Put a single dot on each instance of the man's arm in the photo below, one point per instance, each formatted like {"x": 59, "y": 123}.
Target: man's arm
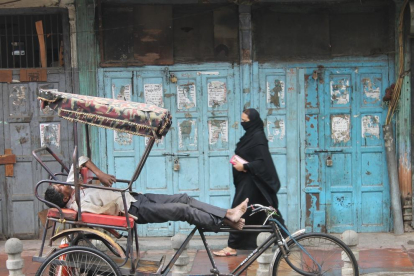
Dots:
{"x": 106, "y": 179}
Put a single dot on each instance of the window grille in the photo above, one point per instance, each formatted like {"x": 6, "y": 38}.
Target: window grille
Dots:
{"x": 21, "y": 41}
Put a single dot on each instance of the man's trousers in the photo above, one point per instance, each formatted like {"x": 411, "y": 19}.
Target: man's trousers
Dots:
{"x": 156, "y": 208}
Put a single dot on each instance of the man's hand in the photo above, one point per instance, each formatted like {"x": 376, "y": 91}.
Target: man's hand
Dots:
{"x": 106, "y": 179}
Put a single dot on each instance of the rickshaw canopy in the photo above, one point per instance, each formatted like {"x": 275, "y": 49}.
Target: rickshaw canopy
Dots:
{"x": 130, "y": 117}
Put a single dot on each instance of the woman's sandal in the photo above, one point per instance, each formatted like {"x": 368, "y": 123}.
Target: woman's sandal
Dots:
{"x": 225, "y": 252}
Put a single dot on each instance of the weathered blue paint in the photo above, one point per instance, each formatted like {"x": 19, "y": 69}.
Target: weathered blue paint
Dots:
{"x": 342, "y": 125}
{"x": 298, "y": 122}
{"x": 277, "y": 104}
{"x": 201, "y": 140}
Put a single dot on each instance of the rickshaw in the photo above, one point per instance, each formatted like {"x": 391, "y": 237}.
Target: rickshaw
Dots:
{"x": 88, "y": 246}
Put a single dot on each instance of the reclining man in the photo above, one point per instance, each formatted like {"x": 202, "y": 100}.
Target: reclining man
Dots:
{"x": 148, "y": 208}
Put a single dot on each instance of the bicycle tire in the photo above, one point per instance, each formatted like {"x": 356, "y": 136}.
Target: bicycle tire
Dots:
{"x": 332, "y": 255}
{"x": 78, "y": 261}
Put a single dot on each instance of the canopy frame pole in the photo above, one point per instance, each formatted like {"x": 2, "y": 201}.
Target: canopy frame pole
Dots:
{"x": 142, "y": 162}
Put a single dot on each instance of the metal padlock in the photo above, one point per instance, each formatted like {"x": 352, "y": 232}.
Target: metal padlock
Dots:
{"x": 176, "y": 164}
{"x": 329, "y": 162}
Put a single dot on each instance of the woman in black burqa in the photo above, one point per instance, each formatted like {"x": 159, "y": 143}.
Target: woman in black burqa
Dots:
{"x": 257, "y": 180}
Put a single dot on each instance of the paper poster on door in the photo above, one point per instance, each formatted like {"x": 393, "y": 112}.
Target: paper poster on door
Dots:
{"x": 217, "y": 129}
{"x": 124, "y": 93}
{"x": 340, "y": 128}
{"x": 187, "y": 134}
{"x": 153, "y": 94}
{"x": 217, "y": 93}
{"x": 340, "y": 91}
{"x": 370, "y": 126}
{"x": 275, "y": 129}
{"x": 186, "y": 96}
{"x": 50, "y": 135}
{"x": 275, "y": 91}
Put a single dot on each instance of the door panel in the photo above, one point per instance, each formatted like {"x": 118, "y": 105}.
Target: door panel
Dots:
{"x": 219, "y": 116}
{"x": 278, "y": 109}
{"x": 26, "y": 128}
{"x": 342, "y": 130}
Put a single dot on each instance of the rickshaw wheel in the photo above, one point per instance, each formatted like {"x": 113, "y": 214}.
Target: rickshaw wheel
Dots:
{"x": 97, "y": 242}
{"x": 78, "y": 261}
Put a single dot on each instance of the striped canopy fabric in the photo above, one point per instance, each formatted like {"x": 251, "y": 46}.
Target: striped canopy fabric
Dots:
{"x": 130, "y": 117}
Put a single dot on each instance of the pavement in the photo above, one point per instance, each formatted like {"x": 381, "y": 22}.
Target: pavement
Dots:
{"x": 379, "y": 254}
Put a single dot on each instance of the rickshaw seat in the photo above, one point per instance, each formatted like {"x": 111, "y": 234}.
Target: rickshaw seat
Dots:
{"x": 108, "y": 220}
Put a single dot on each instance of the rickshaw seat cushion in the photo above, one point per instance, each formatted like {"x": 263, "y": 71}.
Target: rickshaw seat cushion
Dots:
{"x": 109, "y": 220}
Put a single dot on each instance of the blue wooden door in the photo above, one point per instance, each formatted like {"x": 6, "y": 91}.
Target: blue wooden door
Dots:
{"x": 344, "y": 169}
{"x": 278, "y": 97}
{"x": 203, "y": 107}
{"x": 124, "y": 150}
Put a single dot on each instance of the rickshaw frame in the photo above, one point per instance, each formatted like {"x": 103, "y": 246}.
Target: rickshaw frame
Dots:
{"x": 127, "y": 263}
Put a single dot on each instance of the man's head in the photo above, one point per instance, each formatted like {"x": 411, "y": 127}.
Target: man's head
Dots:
{"x": 58, "y": 194}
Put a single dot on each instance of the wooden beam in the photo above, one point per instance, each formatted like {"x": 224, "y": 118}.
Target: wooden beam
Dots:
{"x": 40, "y": 36}
{"x": 8, "y": 159}
{"x": 6, "y": 76}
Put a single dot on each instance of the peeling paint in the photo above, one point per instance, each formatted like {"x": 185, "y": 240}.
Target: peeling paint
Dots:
{"x": 50, "y": 135}
{"x": 154, "y": 94}
{"x": 217, "y": 93}
{"x": 340, "y": 128}
{"x": 340, "y": 91}
{"x": 246, "y": 105}
{"x": 312, "y": 205}
{"x": 19, "y": 95}
{"x": 276, "y": 129}
{"x": 370, "y": 126}
{"x": 235, "y": 125}
{"x": 276, "y": 95}
{"x": 370, "y": 90}
{"x": 217, "y": 129}
{"x": 123, "y": 139}
{"x": 186, "y": 96}
{"x": 404, "y": 175}
{"x": 187, "y": 131}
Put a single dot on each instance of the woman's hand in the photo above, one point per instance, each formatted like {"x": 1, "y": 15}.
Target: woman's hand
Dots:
{"x": 106, "y": 179}
{"x": 239, "y": 166}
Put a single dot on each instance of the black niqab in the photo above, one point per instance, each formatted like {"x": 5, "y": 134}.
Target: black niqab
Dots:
{"x": 253, "y": 147}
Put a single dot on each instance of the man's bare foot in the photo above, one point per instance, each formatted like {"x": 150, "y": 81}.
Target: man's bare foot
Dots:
{"x": 235, "y": 225}
{"x": 237, "y": 212}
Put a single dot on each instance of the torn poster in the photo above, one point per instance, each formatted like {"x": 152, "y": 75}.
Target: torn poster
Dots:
{"x": 153, "y": 94}
{"x": 18, "y": 95}
{"x": 275, "y": 129}
{"x": 158, "y": 142}
{"x": 187, "y": 131}
{"x": 186, "y": 96}
{"x": 276, "y": 93}
{"x": 370, "y": 126}
{"x": 217, "y": 129}
{"x": 50, "y": 135}
{"x": 340, "y": 128}
{"x": 124, "y": 94}
{"x": 217, "y": 93}
{"x": 340, "y": 91}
